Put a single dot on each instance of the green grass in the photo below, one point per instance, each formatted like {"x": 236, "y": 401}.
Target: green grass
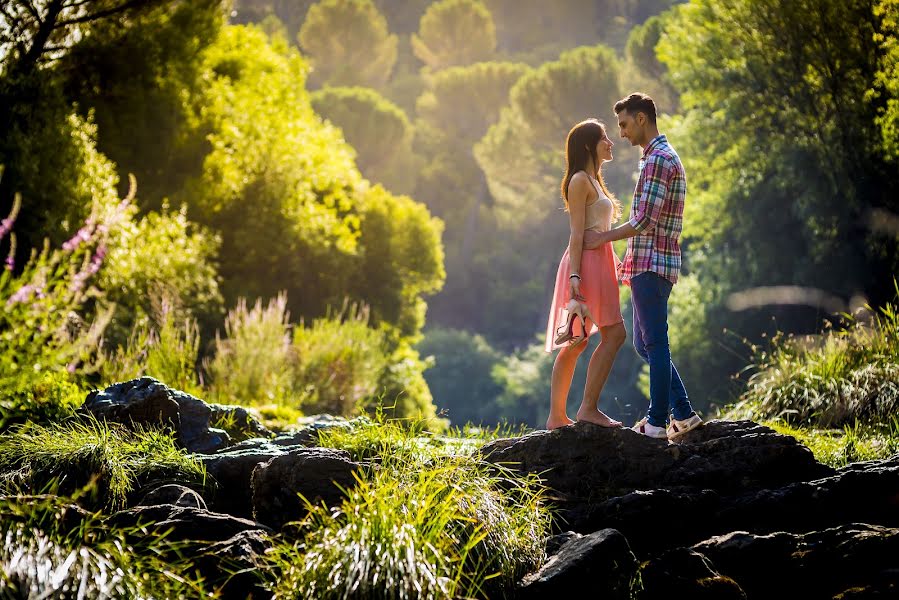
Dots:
{"x": 52, "y": 550}
{"x": 51, "y": 397}
{"x": 107, "y": 457}
{"x": 446, "y": 527}
{"x": 838, "y": 378}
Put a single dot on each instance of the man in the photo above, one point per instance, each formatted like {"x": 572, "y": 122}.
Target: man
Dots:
{"x": 652, "y": 263}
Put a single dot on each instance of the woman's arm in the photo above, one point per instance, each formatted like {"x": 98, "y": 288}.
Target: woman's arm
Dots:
{"x": 578, "y": 192}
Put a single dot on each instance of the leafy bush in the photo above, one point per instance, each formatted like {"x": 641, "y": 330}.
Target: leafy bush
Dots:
{"x": 51, "y": 397}
{"x": 254, "y": 362}
{"x": 165, "y": 349}
{"x": 445, "y": 528}
{"x": 841, "y": 377}
{"x": 339, "y": 360}
{"x": 111, "y": 460}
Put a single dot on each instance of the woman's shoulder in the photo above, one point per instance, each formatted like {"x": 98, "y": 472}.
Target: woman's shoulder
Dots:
{"x": 580, "y": 186}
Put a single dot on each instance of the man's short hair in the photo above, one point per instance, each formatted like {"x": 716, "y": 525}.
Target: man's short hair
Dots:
{"x": 637, "y": 103}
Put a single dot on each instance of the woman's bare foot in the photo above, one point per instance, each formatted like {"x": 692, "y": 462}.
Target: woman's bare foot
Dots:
{"x": 592, "y": 415}
{"x": 555, "y": 422}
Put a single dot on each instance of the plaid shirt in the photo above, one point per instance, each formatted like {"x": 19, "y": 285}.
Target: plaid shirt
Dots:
{"x": 657, "y": 212}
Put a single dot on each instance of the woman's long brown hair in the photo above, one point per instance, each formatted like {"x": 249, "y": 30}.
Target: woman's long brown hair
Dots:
{"x": 580, "y": 153}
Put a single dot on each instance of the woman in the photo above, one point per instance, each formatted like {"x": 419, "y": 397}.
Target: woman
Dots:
{"x": 585, "y": 299}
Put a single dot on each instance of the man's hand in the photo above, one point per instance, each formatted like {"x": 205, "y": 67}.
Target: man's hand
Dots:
{"x": 595, "y": 239}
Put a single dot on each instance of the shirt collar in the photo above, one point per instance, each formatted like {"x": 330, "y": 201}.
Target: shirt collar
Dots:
{"x": 654, "y": 143}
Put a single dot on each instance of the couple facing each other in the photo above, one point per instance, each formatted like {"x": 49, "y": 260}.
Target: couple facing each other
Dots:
{"x": 585, "y": 299}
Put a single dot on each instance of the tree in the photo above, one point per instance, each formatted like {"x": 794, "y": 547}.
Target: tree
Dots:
{"x": 888, "y": 74}
{"x": 376, "y": 128}
{"x": 454, "y": 32}
{"x": 643, "y": 69}
{"x": 135, "y": 81}
{"x": 33, "y": 32}
{"x": 785, "y": 160}
{"x": 465, "y": 101}
{"x": 348, "y": 43}
{"x": 523, "y": 153}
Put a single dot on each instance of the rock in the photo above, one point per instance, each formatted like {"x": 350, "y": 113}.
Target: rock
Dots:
{"x": 146, "y": 401}
{"x": 315, "y": 473}
{"x": 820, "y": 564}
{"x": 685, "y": 573}
{"x": 596, "y": 565}
{"x": 586, "y": 464}
{"x": 176, "y": 495}
{"x": 243, "y": 555}
{"x": 555, "y": 543}
{"x": 184, "y": 523}
{"x": 703, "y": 513}
{"x": 232, "y": 471}
{"x": 226, "y": 551}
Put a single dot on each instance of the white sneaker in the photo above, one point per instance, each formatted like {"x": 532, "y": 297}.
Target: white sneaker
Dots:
{"x": 644, "y": 427}
{"x": 678, "y": 428}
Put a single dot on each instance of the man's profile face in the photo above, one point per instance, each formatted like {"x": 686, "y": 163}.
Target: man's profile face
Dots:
{"x": 628, "y": 128}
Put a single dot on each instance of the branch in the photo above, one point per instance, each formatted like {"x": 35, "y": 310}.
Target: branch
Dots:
{"x": 103, "y": 13}
{"x": 30, "y": 8}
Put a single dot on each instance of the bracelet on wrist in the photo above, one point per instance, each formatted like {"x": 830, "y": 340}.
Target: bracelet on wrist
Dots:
{"x": 574, "y": 275}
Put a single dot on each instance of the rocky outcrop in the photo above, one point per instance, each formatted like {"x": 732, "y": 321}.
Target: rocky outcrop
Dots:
{"x": 146, "y": 401}
{"x": 852, "y": 560}
{"x": 585, "y": 464}
{"x": 227, "y": 552}
{"x": 582, "y": 566}
{"x": 318, "y": 474}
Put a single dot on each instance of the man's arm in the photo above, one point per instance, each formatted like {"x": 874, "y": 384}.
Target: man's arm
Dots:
{"x": 649, "y": 205}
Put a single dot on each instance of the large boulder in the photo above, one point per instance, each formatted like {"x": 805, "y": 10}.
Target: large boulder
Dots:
{"x": 585, "y": 464}
{"x": 318, "y": 474}
{"x": 691, "y": 515}
{"x": 685, "y": 573}
{"x": 584, "y": 566}
{"x": 146, "y": 401}
{"x": 820, "y": 564}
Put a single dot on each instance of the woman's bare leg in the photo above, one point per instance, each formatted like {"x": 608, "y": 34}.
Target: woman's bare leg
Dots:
{"x": 560, "y": 384}
{"x": 598, "y": 371}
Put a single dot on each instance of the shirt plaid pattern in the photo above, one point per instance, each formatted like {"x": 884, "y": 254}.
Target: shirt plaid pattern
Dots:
{"x": 657, "y": 212}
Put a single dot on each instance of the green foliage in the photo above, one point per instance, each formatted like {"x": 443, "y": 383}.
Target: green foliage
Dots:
{"x": 527, "y": 25}
{"x": 401, "y": 260}
{"x": 164, "y": 346}
{"x": 161, "y": 255}
{"x": 461, "y": 379}
{"x": 49, "y": 397}
{"x": 525, "y": 377}
{"x": 253, "y": 363}
{"x": 844, "y": 376}
{"x": 454, "y": 32}
{"x": 443, "y": 529}
{"x": 51, "y": 547}
{"x": 376, "y": 128}
{"x": 403, "y": 389}
{"x": 544, "y": 104}
{"x": 137, "y": 78}
{"x": 888, "y": 74}
{"x": 339, "y": 360}
{"x": 112, "y": 460}
{"x": 348, "y": 43}
{"x": 643, "y": 70}
{"x": 463, "y": 102}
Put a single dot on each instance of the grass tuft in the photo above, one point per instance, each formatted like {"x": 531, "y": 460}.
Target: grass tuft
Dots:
{"x": 430, "y": 521}
{"x": 108, "y": 457}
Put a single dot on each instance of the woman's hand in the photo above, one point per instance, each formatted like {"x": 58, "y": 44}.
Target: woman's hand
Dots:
{"x": 574, "y": 284}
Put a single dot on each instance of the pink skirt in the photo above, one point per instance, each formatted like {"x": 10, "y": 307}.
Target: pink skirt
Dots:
{"x": 599, "y": 285}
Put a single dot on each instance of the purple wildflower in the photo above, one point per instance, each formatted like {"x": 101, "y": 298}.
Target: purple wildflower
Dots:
{"x": 21, "y": 295}
{"x": 7, "y": 223}
{"x": 11, "y": 257}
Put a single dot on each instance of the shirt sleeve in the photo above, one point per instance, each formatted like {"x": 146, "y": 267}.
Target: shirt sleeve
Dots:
{"x": 655, "y": 176}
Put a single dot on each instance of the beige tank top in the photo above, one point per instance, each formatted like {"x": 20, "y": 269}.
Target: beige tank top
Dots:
{"x": 599, "y": 212}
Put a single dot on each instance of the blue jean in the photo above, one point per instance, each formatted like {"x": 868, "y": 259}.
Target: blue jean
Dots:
{"x": 649, "y": 295}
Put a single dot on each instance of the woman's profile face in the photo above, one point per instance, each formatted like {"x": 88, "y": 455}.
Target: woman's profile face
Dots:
{"x": 604, "y": 148}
